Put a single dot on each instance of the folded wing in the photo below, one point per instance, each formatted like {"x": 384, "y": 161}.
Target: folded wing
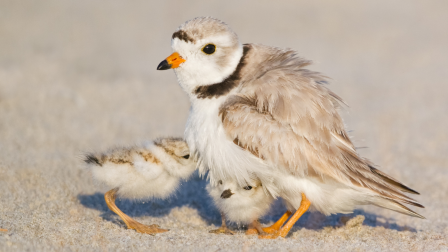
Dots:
{"x": 288, "y": 118}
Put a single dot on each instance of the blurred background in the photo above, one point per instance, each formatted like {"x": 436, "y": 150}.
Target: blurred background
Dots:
{"x": 78, "y": 76}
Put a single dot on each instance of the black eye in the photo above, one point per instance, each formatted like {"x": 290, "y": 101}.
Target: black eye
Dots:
{"x": 247, "y": 187}
{"x": 220, "y": 182}
{"x": 186, "y": 156}
{"x": 209, "y": 49}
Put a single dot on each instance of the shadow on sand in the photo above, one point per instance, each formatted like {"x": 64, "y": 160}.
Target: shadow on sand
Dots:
{"x": 191, "y": 193}
{"x": 194, "y": 195}
{"x": 316, "y": 221}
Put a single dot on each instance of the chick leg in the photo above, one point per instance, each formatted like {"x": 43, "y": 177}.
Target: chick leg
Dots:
{"x": 255, "y": 228}
{"x": 223, "y": 229}
{"x": 110, "y": 197}
{"x": 304, "y": 205}
{"x": 277, "y": 225}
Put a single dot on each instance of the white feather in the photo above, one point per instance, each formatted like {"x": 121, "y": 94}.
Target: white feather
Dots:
{"x": 205, "y": 134}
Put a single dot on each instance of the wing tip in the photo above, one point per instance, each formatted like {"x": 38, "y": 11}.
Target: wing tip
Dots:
{"x": 392, "y": 181}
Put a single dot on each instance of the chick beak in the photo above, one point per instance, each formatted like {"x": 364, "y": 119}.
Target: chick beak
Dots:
{"x": 173, "y": 61}
{"x": 226, "y": 194}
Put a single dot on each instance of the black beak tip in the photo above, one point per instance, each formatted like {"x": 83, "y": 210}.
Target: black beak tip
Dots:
{"x": 163, "y": 65}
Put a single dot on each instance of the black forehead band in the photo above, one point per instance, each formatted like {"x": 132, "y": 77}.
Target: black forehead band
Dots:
{"x": 182, "y": 35}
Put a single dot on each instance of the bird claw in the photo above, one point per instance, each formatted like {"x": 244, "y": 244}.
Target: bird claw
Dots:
{"x": 222, "y": 230}
{"x": 144, "y": 229}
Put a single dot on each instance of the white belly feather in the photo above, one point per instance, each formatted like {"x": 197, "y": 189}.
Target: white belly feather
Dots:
{"x": 217, "y": 153}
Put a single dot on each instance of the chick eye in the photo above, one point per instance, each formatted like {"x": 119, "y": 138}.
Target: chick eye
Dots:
{"x": 247, "y": 187}
{"x": 186, "y": 156}
{"x": 220, "y": 182}
{"x": 209, "y": 49}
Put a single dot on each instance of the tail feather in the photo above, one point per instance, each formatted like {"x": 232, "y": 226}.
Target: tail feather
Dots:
{"x": 397, "y": 199}
{"x": 362, "y": 172}
{"x": 93, "y": 159}
{"x": 381, "y": 187}
{"x": 392, "y": 181}
{"x": 395, "y": 206}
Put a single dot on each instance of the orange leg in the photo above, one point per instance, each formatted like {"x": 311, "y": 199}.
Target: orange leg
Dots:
{"x": 255, "y": 228}
{"x": 304, "y": 205}
{"x": 277, "y": 225}
{"x": 223, "y": 229}
{"x": 3, "y": 230}
{"x": 110, "y": 197}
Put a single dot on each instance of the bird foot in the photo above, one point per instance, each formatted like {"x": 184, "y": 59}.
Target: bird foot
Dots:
{"x": 269, "y": 236}
{"x": 144, "y": 229}
{"x": 130, "y": 223}
{"x": 255, "y": 228}
{"x": 222, "y": 230}
{"x": 283, "y": 231}
{"x": 252, "y": 231}
{"x": 270, "y": 230}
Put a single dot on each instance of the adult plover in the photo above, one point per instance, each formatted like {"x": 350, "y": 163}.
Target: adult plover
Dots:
{"x": 258, "y": 114}
{"x": 242, "y": 205}
{"x": 153, "y": 170}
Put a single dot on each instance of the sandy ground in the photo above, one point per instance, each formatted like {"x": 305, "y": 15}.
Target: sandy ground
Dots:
{"x": 78, "y": 76}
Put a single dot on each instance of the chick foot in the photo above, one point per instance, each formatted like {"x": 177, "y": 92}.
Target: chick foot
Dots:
{"x": 223, "y": 229}
{"x": 255, "y": 228}
{"x": 110, "y": 197}
{"x": 144, "y": 229}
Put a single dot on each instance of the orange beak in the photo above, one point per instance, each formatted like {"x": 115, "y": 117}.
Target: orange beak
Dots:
{"x": 173, "y": 61}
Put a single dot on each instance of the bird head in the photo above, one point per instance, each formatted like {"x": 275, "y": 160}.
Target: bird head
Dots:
{"x": 179, "y": 162}
{"x": 206, "y": 51}
{"x": 231, "y": 189}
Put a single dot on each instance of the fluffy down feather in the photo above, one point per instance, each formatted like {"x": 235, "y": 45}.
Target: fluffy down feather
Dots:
{"x": 153, "y": 170}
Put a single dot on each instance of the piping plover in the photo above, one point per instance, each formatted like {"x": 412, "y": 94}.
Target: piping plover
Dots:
{"x": 153, "y": 170}
{"x": 258, "y": 114}
{"x": 242, "y": 205}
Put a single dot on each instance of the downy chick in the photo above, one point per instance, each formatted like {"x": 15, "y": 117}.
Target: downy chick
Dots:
{"x": 153, "y": 170}
{"x": 242, "y": 205}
